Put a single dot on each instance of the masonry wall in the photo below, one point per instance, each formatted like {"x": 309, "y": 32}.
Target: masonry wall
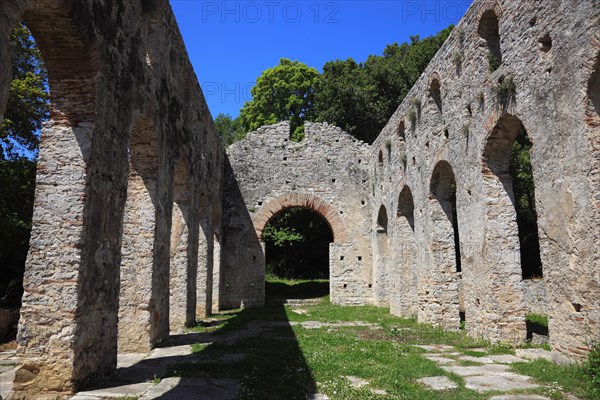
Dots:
{"x": 451, "y": 122}
{"x": 125, "y": 109}
{"x": 267, "y": 173}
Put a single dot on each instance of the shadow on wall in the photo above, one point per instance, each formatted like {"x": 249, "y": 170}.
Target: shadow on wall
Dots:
{"x": 254, "y": 355}
{"x": 242, "y": 273}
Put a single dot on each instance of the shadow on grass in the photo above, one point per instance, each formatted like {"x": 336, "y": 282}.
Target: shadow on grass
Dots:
{"x": 258, "y": 348}
{"x": 299, "y": 290}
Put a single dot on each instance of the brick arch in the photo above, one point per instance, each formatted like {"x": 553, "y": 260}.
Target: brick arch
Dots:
{"x": 309, "y": 201}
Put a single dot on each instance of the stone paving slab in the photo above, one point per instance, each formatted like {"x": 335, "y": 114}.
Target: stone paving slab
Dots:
{"x": 356, "y": 381}
{"x": 532, "y": 354}
{"x": 6, "y": 382}
{"x": 117, "y": 390}
{"x": 519, "y": 397}
{"x": 481, "y": 360}
{"x": 438, "y": 382}
{"x": 501, "y": 382}
{"x": 435, "y": 347}
{"x": 441, "y": 360}
{"x": 507, "y": 359}
{"x": 193, "y": 389}
{"x": 129, "y": 359}
{"x": 173, "y": 351}
{"x": 486, "y": 369}
{"x": 317, "y": 396}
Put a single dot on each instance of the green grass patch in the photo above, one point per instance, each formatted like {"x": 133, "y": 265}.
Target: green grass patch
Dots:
{"x": 295, "y": 288}
{"x": 541, "y": 320}
{"x": 560, "y": 378}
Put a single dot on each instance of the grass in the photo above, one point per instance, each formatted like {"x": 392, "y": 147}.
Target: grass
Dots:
{"x": 541, "y": 320}
{"x": 559, "y": 378}
{"x": 289, "y": 361}
{"x": 295, "y": 288}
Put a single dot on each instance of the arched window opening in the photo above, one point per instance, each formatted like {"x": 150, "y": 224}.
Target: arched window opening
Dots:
{"x": 507, "y": 155}
{"x": 443, "y": 189}
{"x": 435, "y": 93}
{"x": 382, "y": 220}
{"x": 403, "y": 274}
{"x": 401, "y": 129}
{"x": 406, "y": 207}
{"x": 380, "y": 158}
{"x": 297, "y": 254}
{"x": 489, "y": 31}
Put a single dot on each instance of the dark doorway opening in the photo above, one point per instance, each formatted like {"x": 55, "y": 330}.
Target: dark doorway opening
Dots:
{"x": 297, "y": 254}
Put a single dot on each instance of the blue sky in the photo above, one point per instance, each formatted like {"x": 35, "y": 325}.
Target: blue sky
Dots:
{"x": 231, "y": 42}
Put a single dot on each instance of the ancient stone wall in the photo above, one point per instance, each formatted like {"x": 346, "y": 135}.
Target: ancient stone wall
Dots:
{"x": 266, "y": 173}
{"x": 455, "y": 129}
{"x": 128, "y": 154}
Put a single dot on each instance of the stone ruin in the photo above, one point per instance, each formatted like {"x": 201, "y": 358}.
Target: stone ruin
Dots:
{"x": 143, "y": 223}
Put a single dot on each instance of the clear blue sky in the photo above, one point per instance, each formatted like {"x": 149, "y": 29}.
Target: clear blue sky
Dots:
{"x": 231, "y": 42}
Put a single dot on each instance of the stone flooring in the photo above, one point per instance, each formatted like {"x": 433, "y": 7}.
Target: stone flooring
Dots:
{"x": 140, "y": 376}
{"x": 482, "y": 374}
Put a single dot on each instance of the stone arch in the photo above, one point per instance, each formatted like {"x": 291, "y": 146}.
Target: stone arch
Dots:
{"x": 404, "y": 293}
{"x": 75, "y": 294}
{"x": 441, "y": 284}
{"x": 381, "y": 258}
{"x": 502, "y": 249}
{"x": 434, "y": 90}
{"x": 138, "y": 327}
{"x": 498, "y": 182}
{"x": 488, "y": 30}
{"x": 309, "y": 201}
{"x": 182, "y": 277}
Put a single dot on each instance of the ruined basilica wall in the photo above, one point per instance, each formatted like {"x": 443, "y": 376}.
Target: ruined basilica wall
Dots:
{"x": 267, "y": 173}
{"x": 551, "y": 50}
{"x": 126, "y": 108}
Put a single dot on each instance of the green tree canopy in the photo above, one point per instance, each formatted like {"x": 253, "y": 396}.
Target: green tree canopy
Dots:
{"x": 28, "y": 102}
{"x": 229, "y": 129}
{"x": 284, "y": 92}
{"x": 360, "y": 98}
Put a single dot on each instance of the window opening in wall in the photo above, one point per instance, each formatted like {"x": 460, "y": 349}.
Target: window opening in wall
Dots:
{"x": 545, "y": 43}
{"x": 401, "y": 129}
{"x": 489, "y": 31}
{"x": 382, "y": 220}
{"x": 524, "y": 200}
{"x": 26, "y": 110}
{"x": 508, "y": 157}
{"x": 297, "y": 254}
{"x": 435, "y": 93}
{"x": 380, "y": 158}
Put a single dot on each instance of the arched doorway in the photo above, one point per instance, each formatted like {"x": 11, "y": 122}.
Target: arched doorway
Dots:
{"x": 297, "y": 254}
{"x": 317, "y": 208}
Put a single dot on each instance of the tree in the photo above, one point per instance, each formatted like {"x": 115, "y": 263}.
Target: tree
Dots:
{"x": 360, "y": 98}
{"x": 28, "y": 102}
{"x": 229, "y": 129}
{"x": 284, "y": 92}
{"x": 27, "y": 108}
